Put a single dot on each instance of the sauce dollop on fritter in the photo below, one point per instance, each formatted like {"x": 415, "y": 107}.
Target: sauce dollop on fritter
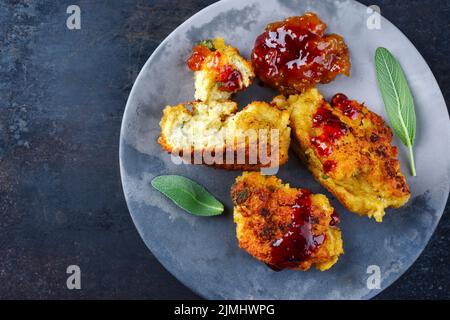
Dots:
{"x": 349, "y": 150}
{"x": 295, "y": 54}
{"x": 220, "y": 70}
{"x": 228, "y": 77}
{"x": 286, "y": 228}
{"x": 299, "y": 243}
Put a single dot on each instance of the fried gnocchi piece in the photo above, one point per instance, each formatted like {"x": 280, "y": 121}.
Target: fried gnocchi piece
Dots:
{"x": 348, "y": 150}
{"x": 216, "y": 134}
{"x": 285, "y": 227}
{"x": 219, "y": 69}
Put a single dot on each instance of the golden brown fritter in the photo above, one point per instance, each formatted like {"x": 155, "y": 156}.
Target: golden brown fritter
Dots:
{"x": 220, "y": 70}
{"x": 348, "y": 150}
{"x": 285, "y": 227}
{"x": 201, "y": 135}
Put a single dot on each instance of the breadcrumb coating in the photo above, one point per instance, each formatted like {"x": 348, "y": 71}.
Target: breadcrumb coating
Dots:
{"x": 357, "y": 164}
{"x": 263, "y": 208}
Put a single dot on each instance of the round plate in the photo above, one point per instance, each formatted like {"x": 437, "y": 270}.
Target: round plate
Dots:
{"x": 203, "y": 252}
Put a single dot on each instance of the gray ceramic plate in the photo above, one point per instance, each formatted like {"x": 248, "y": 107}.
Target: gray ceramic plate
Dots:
{"x": 203, "y": 252}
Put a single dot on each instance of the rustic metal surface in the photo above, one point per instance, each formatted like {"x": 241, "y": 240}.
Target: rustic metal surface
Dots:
{"x": 62, "y": 95}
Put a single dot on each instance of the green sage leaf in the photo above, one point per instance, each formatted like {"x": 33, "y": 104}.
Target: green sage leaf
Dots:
{"x": 188, "y": 195}
{"x": 209, "y": 44}
{"x": 398, "y": 100}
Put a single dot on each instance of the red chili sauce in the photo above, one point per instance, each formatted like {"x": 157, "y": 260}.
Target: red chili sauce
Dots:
{"x": 332, "y": 129}
{"x": 229, "y": 79}
{"x": 348, "y": 107}
{"x": 299, "y": 242}
{"x": 199, "y": 54}
{"x": 295, "y": 54}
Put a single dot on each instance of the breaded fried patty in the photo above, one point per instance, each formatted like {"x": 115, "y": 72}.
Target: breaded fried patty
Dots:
{"x": 285, "y": 227}
{"x": 348, "y": 150}
{"x": 220, "y": 70}
{"x": 204, "y": 133}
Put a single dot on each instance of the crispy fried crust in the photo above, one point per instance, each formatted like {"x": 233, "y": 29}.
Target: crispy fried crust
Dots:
{"x": 367, "y": 177}
{"x": 263, "y": 214}
{"x": 196, "y": 134}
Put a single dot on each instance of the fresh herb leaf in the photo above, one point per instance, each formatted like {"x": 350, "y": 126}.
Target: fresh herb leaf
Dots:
{"x": 209, "y": 44}
{"x": 188, "y": 195}
{"x": 398, "y": 100}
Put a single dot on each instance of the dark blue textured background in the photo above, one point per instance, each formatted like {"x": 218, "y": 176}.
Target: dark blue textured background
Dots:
{"x": 62, "y": 95}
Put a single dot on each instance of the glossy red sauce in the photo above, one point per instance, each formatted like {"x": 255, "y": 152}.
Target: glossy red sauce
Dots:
{"x": 229, "y": 78}
{"x": 322, "y": 146}
{"x": 332, "y": 129}
{"x": 329, "y": 165}
{"x": 335, "y": 220}
{"x": 294, "y": 54}
{"x": 199, "y": 54}
{"x": 299, "y": 242}
{"x": 348, "y": 107}
{"x": 214, "y": 63}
